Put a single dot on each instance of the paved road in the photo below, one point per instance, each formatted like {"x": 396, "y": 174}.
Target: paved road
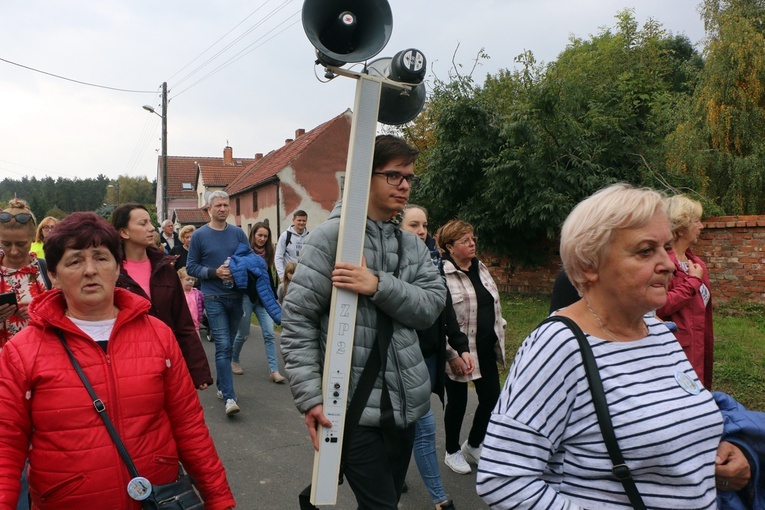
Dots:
{"x": 267, "y": 452}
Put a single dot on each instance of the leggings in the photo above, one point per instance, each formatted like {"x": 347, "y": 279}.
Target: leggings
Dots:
{"x": 487, "y": 389}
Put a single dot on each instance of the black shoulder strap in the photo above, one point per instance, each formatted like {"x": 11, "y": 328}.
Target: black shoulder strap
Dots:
{"x": 376, "y": 364}
{"x": 619, "y": 468}
{"x": 289, "y": 238}
{"x": 44, "y": 273}
{"x": 100, "y": 409}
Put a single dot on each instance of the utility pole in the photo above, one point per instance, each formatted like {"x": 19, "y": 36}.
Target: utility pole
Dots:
{"x": 164, "y": 151}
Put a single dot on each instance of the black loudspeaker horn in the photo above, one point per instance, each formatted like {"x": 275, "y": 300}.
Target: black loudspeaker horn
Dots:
{"x": 399, "y": 106}
{"x": 345, "y": 31}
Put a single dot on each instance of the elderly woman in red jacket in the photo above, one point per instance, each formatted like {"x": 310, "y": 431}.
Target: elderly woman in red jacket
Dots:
{"x": 689, "y": 300}
{"x": 135, "y": 367}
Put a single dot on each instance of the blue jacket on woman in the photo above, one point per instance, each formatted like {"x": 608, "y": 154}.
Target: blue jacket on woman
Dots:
{"x": 245, "y": 267}
{"x": 745, "y": 429}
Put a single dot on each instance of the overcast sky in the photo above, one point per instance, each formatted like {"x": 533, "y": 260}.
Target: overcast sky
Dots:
{"x": 259, "y": 83}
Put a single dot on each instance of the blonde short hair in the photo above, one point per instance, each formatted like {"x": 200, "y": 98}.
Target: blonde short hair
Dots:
{"x": 682, "y": 212}
{"x": 188, "y": 229}
{"x": 589, "y": 228}
{"x": 40, "y": 235}
{"x": 182, "y": 274}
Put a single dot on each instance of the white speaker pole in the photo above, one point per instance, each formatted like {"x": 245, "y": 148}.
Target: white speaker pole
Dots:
{"x": 342, "y": 314}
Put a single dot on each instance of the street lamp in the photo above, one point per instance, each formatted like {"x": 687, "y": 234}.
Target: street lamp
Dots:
{"x": 116, "y": 188}
{"x": 163, "y": 116}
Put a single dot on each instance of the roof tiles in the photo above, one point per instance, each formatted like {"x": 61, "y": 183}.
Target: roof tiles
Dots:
{"x": 271, "y": 164}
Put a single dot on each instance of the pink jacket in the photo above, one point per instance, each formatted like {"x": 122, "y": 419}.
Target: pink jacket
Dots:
{"x": 149, "y": 396}
{"x": 685, "y": 307}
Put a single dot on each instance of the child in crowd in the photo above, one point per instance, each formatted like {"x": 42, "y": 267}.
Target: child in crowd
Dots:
{"x": 194, "y": 297}
{"x": 289, "y": 270}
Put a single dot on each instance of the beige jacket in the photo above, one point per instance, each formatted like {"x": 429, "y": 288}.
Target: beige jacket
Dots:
{"x": 466, "y": 308}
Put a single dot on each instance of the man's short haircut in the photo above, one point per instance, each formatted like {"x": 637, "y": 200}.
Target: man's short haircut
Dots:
{"x": 389, "y": 148}
{"x": 299, "y": 212}
{"x": 78, "y": 231}
{"x": 217, "y": 194}
{"x": 166, "y": 223}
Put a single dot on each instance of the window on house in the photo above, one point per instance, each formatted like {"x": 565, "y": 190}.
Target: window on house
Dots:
{"x": 186, "y": 186}
{"x": 237, "y": 206}
{"x": 254, "y": 201}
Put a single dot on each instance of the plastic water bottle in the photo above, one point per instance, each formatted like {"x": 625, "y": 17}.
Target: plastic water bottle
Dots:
{"x": 229, "y": 284}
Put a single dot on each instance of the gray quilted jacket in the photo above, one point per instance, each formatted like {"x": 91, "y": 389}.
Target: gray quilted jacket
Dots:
{"x": 414, "y": 301}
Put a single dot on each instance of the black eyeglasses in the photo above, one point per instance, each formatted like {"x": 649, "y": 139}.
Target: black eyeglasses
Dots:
{"x": 395, "y": 178}
{"x": 22, "y": 218}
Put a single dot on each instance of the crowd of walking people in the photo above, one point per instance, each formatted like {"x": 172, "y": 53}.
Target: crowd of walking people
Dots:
{"x": 608, "y": 402}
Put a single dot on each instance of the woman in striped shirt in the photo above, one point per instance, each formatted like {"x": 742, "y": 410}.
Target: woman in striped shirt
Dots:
{"x": 543, "y": 447}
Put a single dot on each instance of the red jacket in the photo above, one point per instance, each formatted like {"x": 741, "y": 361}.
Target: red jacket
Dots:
{"x": 168, "y": 304}
{"x": 144, "y": 383}
{"x": 685, "y": 307}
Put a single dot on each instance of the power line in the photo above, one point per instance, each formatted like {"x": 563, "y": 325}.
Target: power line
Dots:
{"x": 219, "y": 40}
{"x": 239, "y": 38}
{"x": 247, "y": 50}
{"x": 78, "y": 81}
{"x": 39, "y": 170}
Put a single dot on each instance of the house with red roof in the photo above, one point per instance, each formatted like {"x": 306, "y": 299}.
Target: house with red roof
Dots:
{"x": 184, "y": 200}
{"x": 306, "y": 173}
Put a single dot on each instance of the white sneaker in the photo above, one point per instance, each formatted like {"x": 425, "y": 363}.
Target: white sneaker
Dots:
{"x": 471, "y": 454}
{"x": 219, "y": 394}
{"x": 231, "y": 407}
{"x": 456, "y": 462}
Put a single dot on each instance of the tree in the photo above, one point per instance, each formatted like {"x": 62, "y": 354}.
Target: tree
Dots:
{"x": 515, "y": 155}
{"x": 720, "y": 141}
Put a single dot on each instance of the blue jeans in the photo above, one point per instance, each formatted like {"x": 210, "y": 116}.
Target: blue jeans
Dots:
{"x": 266, "y": 324}
{"x": 23, "y": 503}
{"x": 425, "y": 447}
{"x": 224, "y": 314}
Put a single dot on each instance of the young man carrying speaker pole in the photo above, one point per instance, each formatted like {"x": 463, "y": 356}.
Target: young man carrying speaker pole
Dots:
{"x": 399, "y": 291}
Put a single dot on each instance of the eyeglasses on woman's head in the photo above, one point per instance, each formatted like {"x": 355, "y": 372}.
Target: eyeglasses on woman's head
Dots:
{"x": 396, "y": 178}
{"x": 22, "y": 218}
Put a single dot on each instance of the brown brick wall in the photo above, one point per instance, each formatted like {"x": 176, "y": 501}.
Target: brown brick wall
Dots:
{"x": 733, "y": 248}
{"x": 525, "y": 278}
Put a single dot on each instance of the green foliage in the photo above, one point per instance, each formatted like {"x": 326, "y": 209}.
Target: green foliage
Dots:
{"x": 48, "y": 197}
{"x": 515, "y": 155}
{"x": 739, "y": 368}
{"x": 56, "y": 213}
{"x": 719, "y": 143}
{"x": 65, "y": 194}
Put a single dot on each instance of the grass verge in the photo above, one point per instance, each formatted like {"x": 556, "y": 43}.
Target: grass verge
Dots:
{"x": 739, "y": 368}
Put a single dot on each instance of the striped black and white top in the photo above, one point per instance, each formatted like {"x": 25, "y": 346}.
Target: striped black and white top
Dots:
{"x": 544, "y": 449}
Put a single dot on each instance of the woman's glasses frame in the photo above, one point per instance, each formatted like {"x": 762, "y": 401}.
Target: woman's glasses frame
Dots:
{"x": 466, "y": 242}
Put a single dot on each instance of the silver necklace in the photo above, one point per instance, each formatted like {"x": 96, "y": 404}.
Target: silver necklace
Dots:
{"x": 603, "y": 328}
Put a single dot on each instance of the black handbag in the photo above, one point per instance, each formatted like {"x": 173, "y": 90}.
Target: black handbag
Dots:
{"x": 178, "y": 495}
{"x": 619, "y": 468}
